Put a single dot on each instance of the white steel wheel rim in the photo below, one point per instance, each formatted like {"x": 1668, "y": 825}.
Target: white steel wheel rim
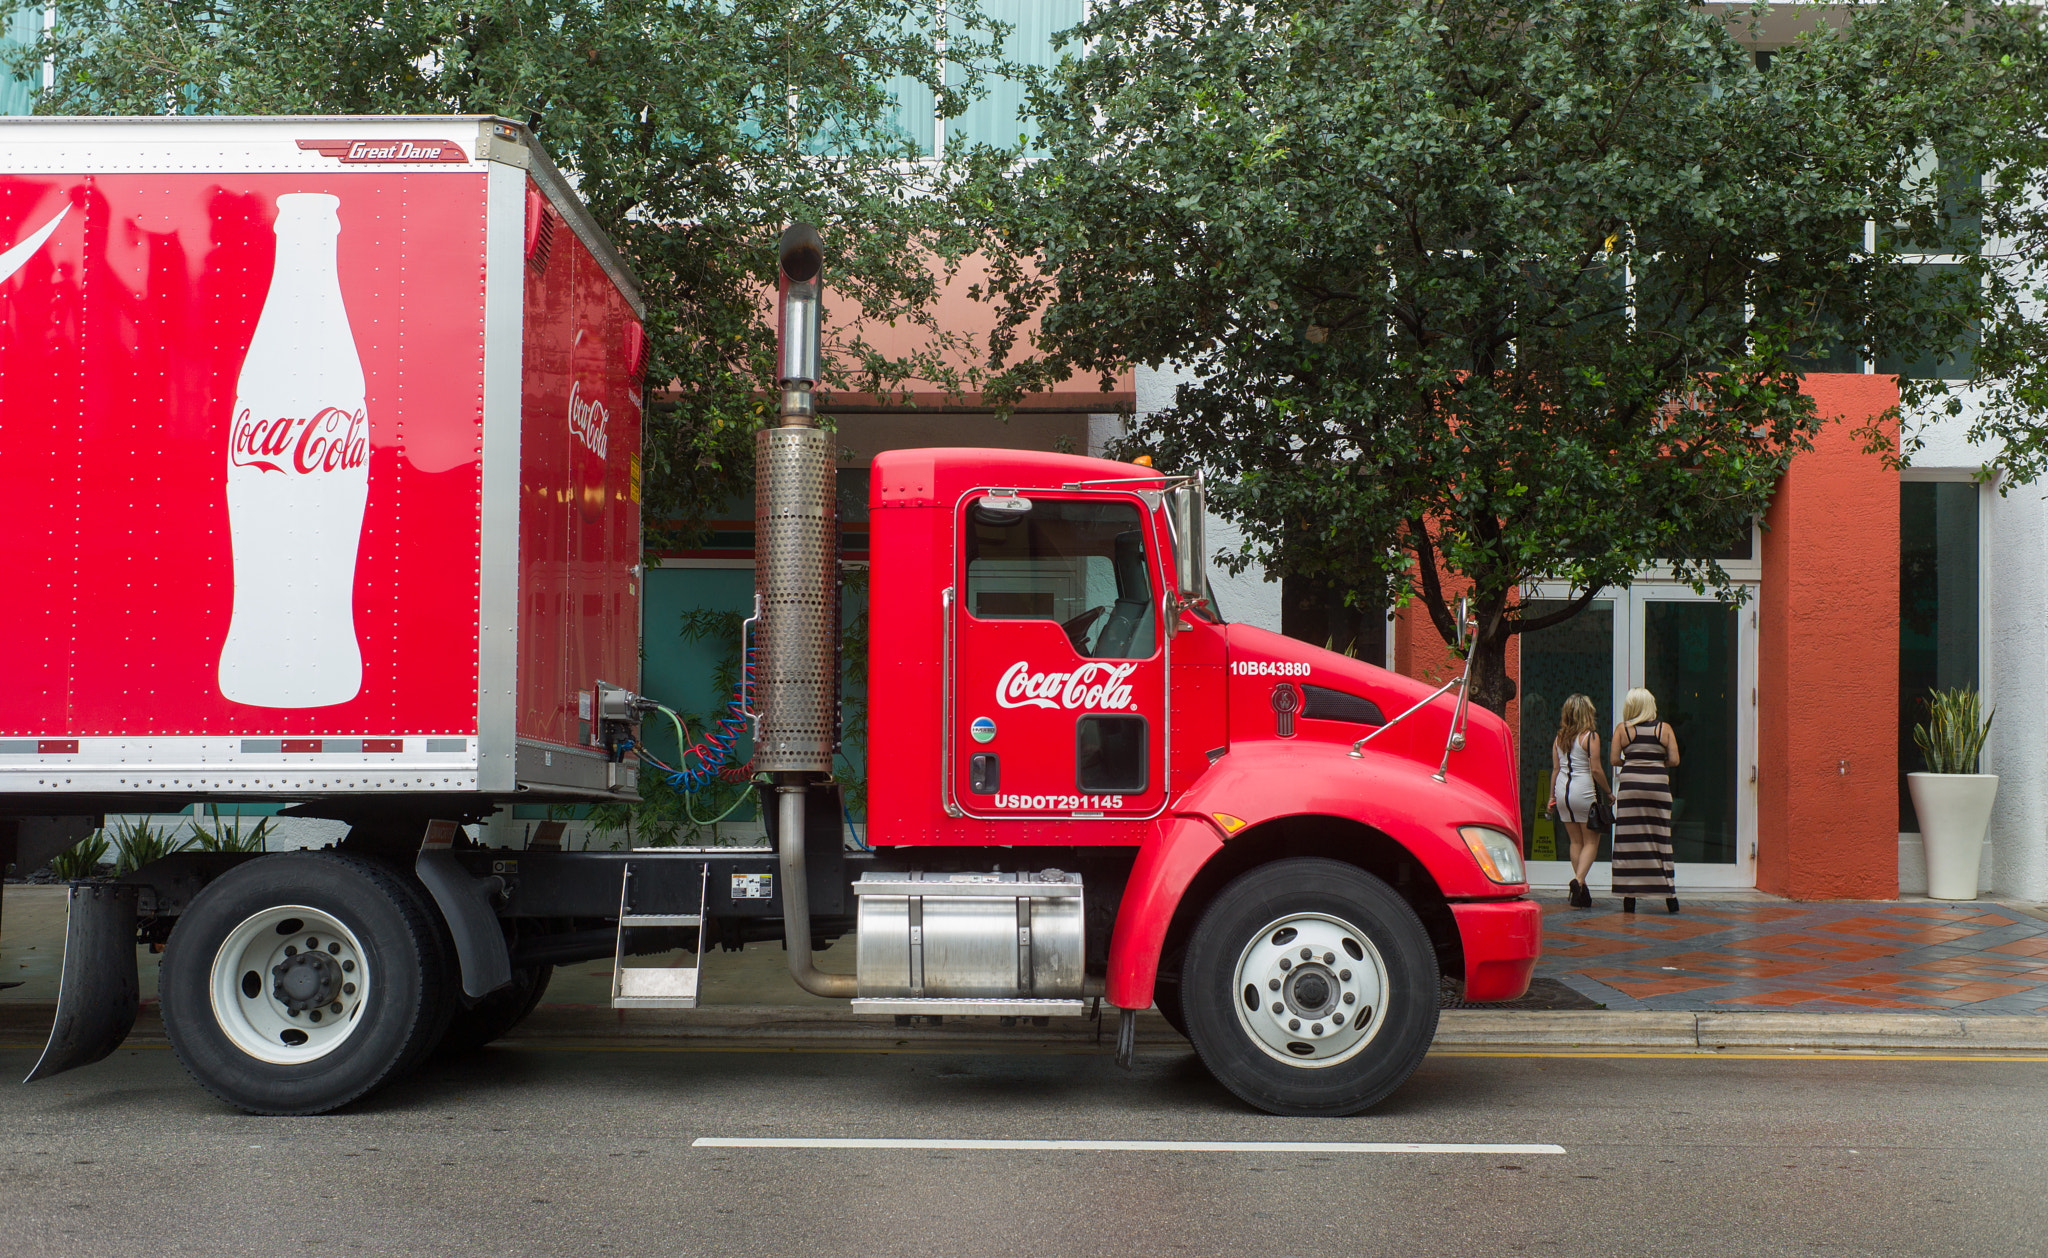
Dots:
{"x": 1310, "y": 990}
{"x": 310, "y": 980}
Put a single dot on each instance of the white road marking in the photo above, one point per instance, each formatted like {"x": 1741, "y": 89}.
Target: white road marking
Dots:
{"x": 1124, "y": 1146}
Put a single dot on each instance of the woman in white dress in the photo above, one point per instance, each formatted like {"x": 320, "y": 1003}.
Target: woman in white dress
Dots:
{"x": 1577, "y": 780}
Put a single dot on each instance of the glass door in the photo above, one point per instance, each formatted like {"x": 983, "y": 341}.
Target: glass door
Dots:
{"x": 1698, "y": 657}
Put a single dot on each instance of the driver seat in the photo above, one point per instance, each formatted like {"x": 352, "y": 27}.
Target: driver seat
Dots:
{"x": 1133, "y": 600}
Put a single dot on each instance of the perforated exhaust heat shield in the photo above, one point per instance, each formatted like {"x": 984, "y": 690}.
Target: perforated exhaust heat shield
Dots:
{"x": 796, "y": 658}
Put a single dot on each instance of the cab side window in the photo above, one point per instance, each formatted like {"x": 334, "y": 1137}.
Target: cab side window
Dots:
{"x": 1078, "y": 563}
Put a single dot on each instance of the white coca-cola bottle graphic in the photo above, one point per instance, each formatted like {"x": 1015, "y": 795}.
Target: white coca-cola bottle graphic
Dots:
{"x": 298, "y": 479}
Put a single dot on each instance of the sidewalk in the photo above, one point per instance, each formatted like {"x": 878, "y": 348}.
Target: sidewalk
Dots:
{"x": 1724, "y": 974}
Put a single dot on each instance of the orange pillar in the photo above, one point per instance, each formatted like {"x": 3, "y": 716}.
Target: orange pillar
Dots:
{"x": 1828, "y": 662}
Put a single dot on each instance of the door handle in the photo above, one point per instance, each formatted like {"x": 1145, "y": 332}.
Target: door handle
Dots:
{"x": 985, "y": 773}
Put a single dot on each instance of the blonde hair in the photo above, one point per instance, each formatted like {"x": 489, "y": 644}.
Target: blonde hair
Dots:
{"x": 1640, "y": 706}
{"x": 1574, "y": 720}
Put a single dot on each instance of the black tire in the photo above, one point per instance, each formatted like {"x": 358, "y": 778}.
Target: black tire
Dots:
{"x": 398, "y": 1016}
{"x": 472, "y": 1028}
{"x": 1397, "y": 970}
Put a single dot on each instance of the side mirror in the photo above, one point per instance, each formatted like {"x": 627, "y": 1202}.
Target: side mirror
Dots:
{"x": 1184, "y": 516}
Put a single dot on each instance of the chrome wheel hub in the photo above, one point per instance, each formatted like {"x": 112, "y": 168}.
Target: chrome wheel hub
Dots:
{"x": 288, "y": 984}
{"x": 1311, "y": 989}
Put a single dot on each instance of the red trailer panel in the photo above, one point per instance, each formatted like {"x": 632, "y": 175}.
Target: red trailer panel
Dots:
{"x": 262, "y": 422}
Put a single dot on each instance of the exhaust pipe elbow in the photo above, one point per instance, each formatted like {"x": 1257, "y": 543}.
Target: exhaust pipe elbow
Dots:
{"x": 796, "y": 899}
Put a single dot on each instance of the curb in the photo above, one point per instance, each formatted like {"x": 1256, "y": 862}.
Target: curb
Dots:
{"x": 1457, "y": 1029}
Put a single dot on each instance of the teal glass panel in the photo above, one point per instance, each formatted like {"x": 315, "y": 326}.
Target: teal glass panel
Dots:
{"x": 1938, "y": 633}
{"x": 19, "y": 30}
{"x": 1576, "y": 657}
{"x": 1926, "y": 364}
{"x": 1690, "y": 664}
{"x": 994, "y": 117}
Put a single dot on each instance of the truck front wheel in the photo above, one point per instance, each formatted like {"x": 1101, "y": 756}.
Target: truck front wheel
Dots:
{"x": 1310, "y": 988}
{"x": 300, "y": 982}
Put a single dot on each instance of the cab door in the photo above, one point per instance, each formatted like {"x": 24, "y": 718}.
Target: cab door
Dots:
{"x": 1057, "y": 699}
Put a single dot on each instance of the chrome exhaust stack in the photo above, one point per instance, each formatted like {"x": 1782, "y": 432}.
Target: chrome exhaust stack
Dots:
{"x": 796, "y": 587}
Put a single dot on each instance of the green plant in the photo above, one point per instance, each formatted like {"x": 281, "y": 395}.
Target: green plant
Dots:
{"x": 1953, "y": 738}
{"x": 213, "y": 836}
{"x": 137, "y": 843}
{"x": 81, "y": 859}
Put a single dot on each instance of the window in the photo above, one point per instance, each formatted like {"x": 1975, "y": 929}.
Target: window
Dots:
{"x": 1109, "y": 755}
{"x": 1081, "y": 564}
{"x": 1937, "y": 608}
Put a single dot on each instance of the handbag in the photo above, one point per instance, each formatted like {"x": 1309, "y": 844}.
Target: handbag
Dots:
{"x": 1601, "y": 815}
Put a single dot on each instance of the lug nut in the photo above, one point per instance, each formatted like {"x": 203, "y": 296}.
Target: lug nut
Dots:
{"x": 1315, "y": 1028}
{"x": 290, "y": 951}
{"x": 1308, "y": 954}
{"x": 348, "y": 989}
{"x": 1329, "y": 958}
{"x": 312, "y": 942}
{"x": 1279, "y": 1008}
{"x": 1272, "y": 984}
{"x": 348, "y": 967}
{"x": 1285, "y": 964}
{"x": 1344, "y": 975}
{"x": 316, "y": 1015}
{"x": 1294, "y": 1024}
{"x": 335, "y": 1007}
{"x": 1337, "y": 1018}
{"x": 334, "y": 948}
{"x": 1350, "y": 998}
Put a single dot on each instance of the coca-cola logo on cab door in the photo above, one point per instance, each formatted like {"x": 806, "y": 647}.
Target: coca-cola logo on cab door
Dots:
{"x": 1096, "y": 686}
{"x": 589, "y": 421}
{"x": 329, "y": 440}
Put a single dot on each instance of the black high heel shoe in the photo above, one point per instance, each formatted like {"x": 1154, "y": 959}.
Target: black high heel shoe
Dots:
{"x": 1577, "y": 895}
{"x": 1628, "y": 904}
{"x": 1671, "y": 905}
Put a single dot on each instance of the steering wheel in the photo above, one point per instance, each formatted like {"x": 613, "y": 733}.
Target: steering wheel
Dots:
{"x": 1077, "y": 628}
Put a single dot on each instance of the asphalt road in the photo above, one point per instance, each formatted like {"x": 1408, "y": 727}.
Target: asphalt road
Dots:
{"x": 561, "y": 1150}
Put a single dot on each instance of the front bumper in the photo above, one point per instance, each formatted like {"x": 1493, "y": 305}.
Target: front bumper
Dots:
{"x": 1502, "y": 939}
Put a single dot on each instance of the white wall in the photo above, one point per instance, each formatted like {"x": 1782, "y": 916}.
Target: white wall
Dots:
{"x": 2013, "y": 569}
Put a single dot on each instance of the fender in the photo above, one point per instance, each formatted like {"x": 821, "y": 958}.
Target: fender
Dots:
{"x": 1260, "y": 782}
{"x": 1167, "y": 862}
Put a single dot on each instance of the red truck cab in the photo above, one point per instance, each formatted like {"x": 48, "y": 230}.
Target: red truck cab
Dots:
{"x": 1045, "y": 670}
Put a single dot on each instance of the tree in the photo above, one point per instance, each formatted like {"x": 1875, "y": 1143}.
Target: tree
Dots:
{"x": 1482, "y": 292}
{"x": 695, "y": 130}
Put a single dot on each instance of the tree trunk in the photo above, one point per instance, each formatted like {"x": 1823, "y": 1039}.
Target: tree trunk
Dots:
{"x": 1491, "y": 687}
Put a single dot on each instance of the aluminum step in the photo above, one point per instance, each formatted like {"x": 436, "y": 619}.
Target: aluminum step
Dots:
{"x": 963, "y": 1006}
{"x": 657, "y": 986}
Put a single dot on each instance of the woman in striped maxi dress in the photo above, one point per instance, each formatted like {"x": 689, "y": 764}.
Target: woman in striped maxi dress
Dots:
{"x": 1645, "y": 750}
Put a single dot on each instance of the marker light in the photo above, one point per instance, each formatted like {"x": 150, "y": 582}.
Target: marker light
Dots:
{"x": 1230, "y": 824}
{"x": 1497, "y": 853}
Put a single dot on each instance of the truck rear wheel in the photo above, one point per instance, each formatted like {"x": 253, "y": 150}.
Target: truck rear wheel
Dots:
{"x": 1310, "y": 988}
{"x": 472, "y": 1028}
{"x": 300, "y": 982}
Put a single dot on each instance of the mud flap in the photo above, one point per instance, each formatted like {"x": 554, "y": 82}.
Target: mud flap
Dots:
{"x": 98, "y": 993}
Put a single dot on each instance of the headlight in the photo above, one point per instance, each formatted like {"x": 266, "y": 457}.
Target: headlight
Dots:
{"x": 1497, "y": 853}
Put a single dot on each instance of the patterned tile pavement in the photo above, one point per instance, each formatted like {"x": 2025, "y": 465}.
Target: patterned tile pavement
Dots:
{"x": 1974, "y": 958}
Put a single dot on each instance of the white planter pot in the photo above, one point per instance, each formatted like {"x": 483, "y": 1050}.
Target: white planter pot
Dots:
{"x": 1954, "y": 811}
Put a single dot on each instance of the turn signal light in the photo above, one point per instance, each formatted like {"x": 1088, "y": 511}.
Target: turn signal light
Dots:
{"x": 1231, "y": 825}
{"x": 1499, "y": 856}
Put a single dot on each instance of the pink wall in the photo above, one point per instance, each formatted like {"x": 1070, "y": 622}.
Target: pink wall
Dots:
{"x": 1828, "y": 662}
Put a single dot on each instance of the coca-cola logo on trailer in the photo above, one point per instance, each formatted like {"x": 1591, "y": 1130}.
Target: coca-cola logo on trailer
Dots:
{"x": 589, "y": 421}
{"x": 1095, "y": 686}
{"x": 330, "y": 440}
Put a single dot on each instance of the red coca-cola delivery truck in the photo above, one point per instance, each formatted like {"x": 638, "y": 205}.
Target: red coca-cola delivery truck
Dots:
{"x": 319, "y": 472}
